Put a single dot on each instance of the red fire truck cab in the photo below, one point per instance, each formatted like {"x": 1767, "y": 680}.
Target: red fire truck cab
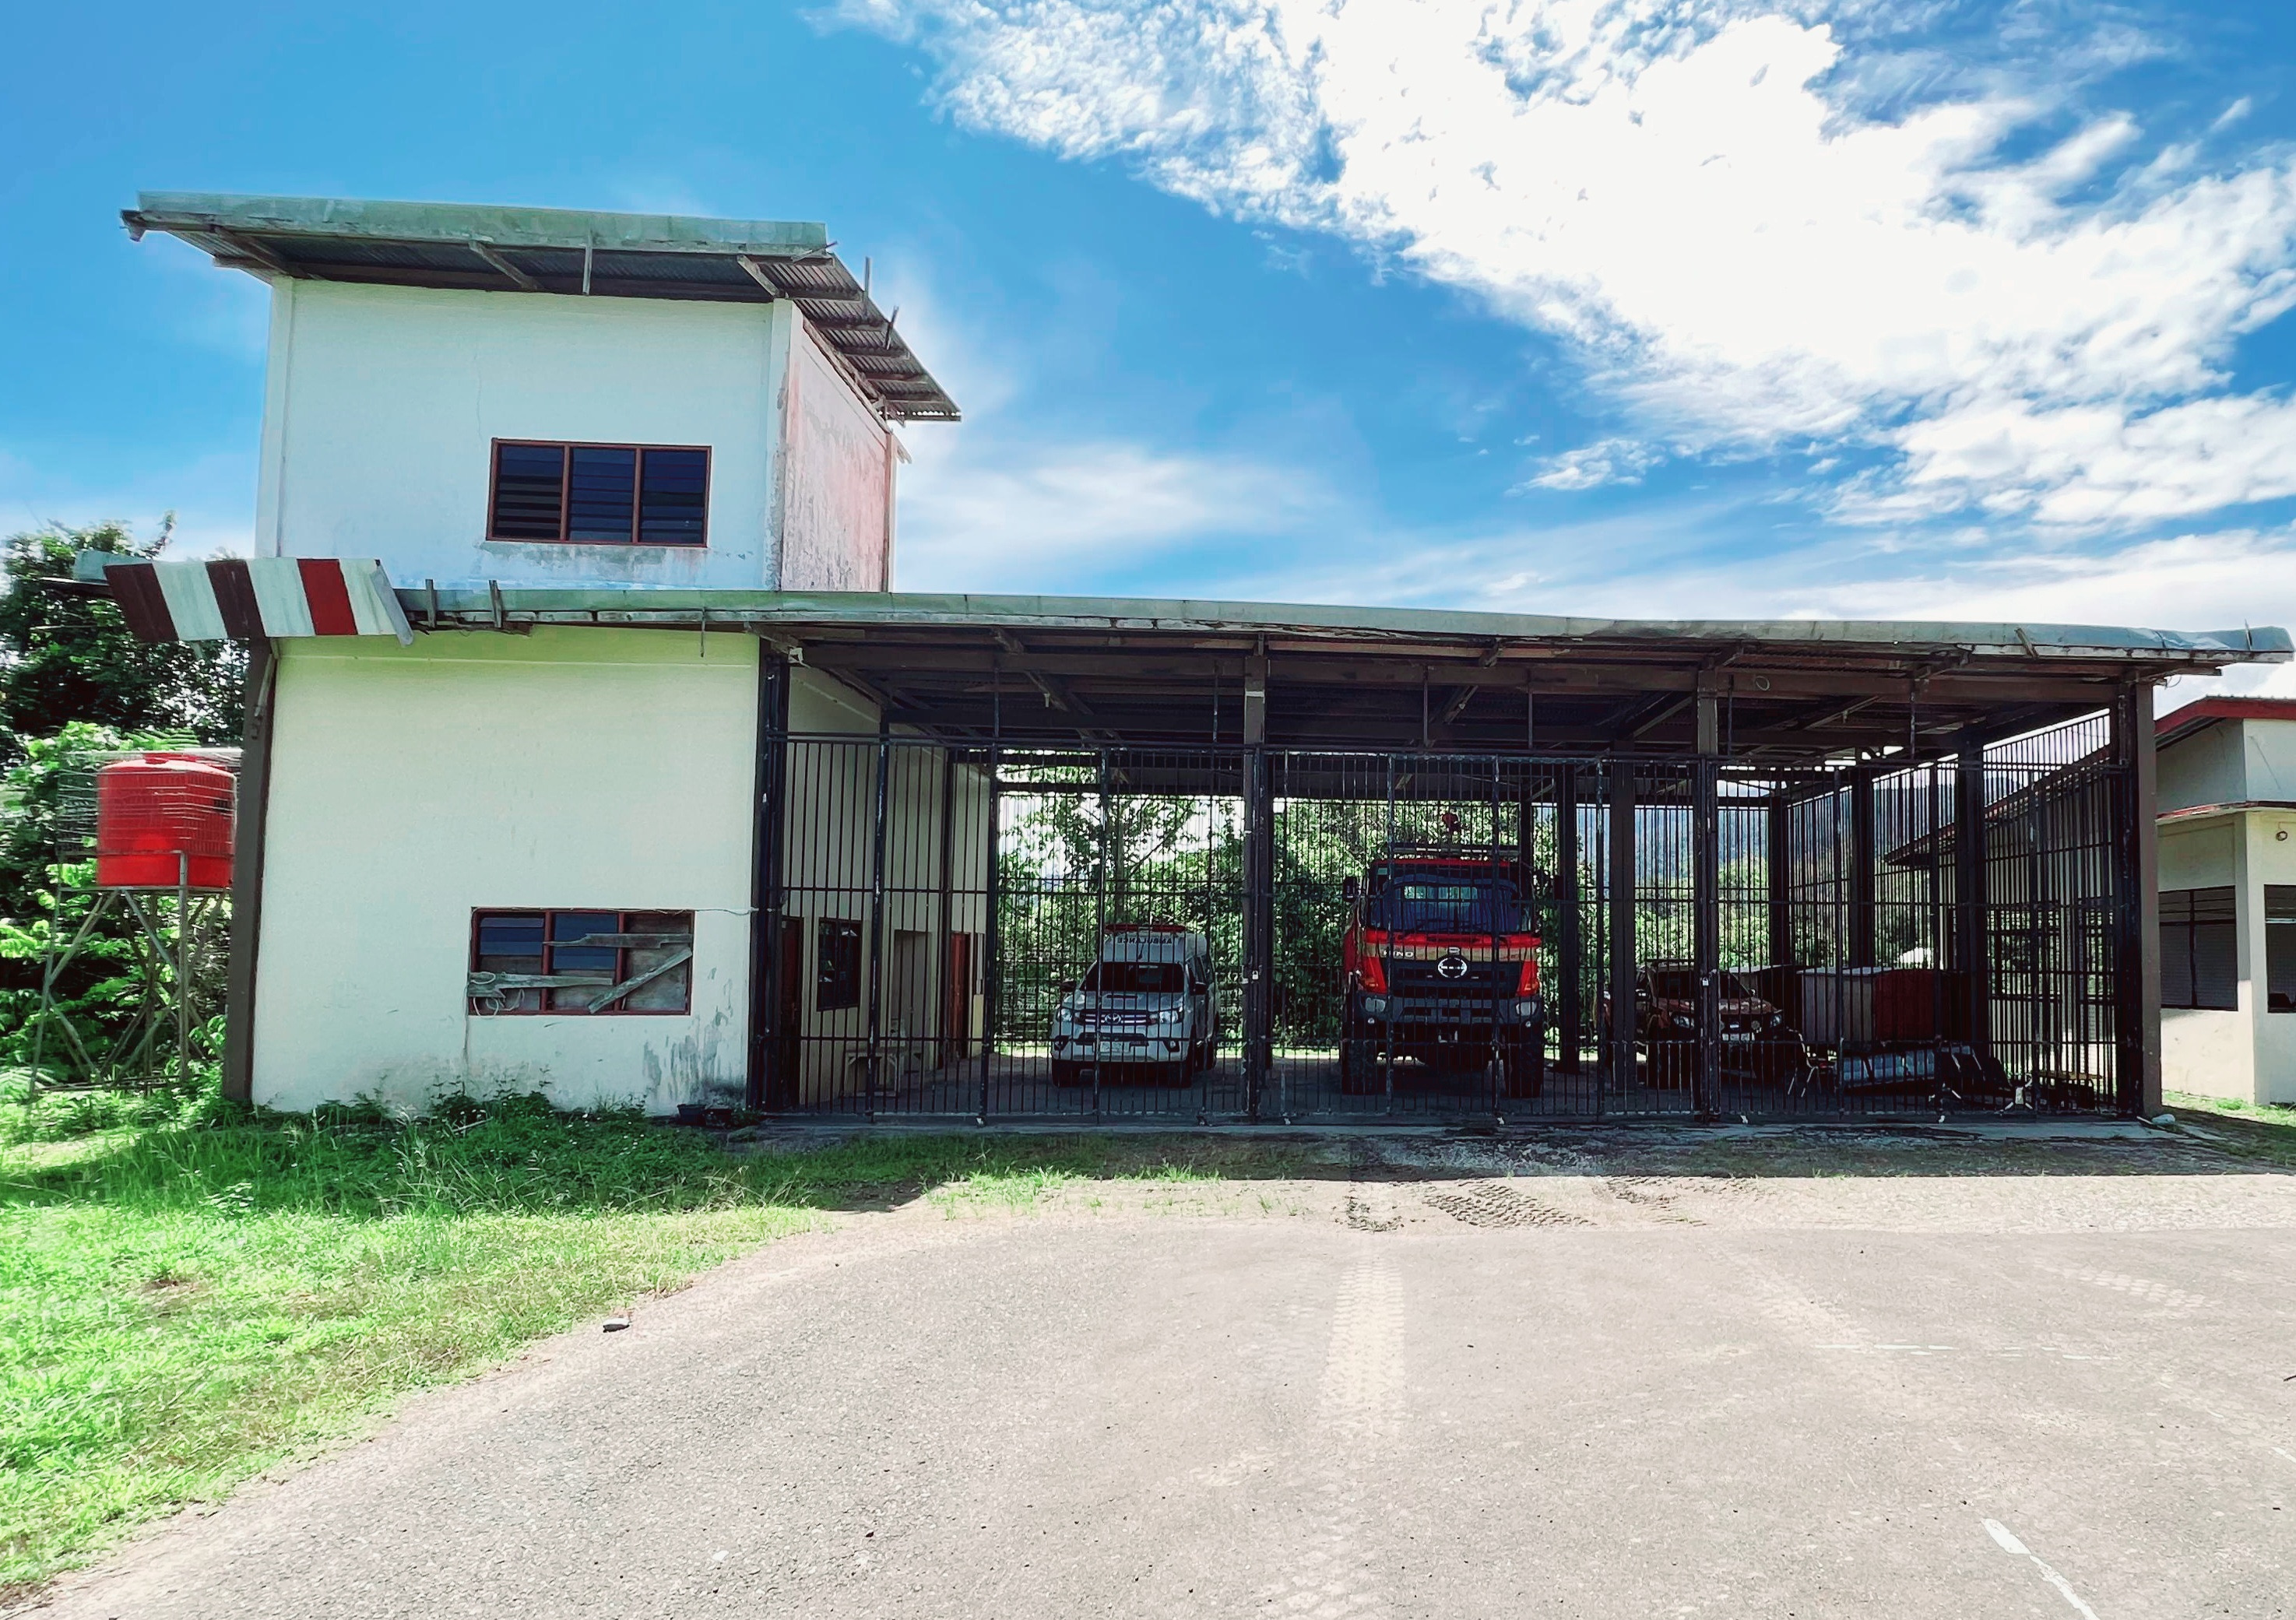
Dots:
{"x": 1441, "y": 961}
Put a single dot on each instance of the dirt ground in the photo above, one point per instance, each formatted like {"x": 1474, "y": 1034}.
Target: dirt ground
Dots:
{"x": 1623, "y": 1373}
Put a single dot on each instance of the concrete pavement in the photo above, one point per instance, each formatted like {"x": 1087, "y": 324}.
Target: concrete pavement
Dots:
{"x": 1454, "y": 1392}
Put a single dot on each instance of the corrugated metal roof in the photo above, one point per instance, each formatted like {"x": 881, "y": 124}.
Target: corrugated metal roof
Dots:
{"x": 489, "y": 248}
{"x": 2210, "y": 649}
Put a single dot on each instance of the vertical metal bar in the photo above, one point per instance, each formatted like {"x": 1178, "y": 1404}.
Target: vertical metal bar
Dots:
{"x": 1108, "y": 852}
{"x": 944, "y": 934}
{"x": 1621, "y": 787}
{"x": 1862, "y": 860}
{"x": 877, "y": 919}
{"x": 1494, "y": 1061}
{"x": 1969, "y": 898}
{"x": 762, "y": 1086}
{"x": 1706, "y": 939}
{"x": 1778, "y": 878}
{"x": 1568, "y": 959}
{"x": 1394, "y": 999}
{"x": 183, "y": 967}
{"x": 252, "y": 798}
{"x": 992, "y": 927}
{"x": 1258, "y": 919}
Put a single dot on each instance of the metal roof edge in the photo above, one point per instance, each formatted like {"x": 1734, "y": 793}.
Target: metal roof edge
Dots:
{"x": 500, "y": 224}
{"x": 872, "y": 608}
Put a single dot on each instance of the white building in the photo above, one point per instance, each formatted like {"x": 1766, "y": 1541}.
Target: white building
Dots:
{"x": 591, "y": 751}
{"x": 2227, "y": 804}
{"x": 495, "y": 397}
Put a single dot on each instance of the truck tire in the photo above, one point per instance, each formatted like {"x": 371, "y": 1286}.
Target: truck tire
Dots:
{"x": 1359, "y": 1075}
{"x": 1525, "y": 1066}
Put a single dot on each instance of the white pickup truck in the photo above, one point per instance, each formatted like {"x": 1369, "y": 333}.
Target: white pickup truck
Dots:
{"x": 1144, "y": 1009}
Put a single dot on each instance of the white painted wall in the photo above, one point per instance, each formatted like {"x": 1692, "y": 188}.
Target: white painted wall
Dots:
{"x": 2269, "y": 837}
{"x": 573, "y": 767}
{"x": 383, "y": 404}
{"x": 837, "y": 526}
{"x": 2208, "y": 1053}
{"x": 2269, "y": 754}
{"x": 2203, "y": 767}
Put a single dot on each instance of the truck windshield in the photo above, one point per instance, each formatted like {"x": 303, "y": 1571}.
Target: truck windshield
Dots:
{"x": 1135, "y": 977}
{"x": 1445, "y": 905}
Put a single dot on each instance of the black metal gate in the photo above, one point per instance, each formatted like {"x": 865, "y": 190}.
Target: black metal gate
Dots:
{"x": 1716, "y": 937}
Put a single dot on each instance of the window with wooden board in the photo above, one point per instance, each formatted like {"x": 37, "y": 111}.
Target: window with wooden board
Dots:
{"x": 2200, "y": 949}
{"x": 581, "y": 961}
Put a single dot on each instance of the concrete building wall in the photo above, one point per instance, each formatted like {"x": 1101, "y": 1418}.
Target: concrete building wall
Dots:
{"x": 836, "y": 525}
{"x": 2206, "y": 767}
{"x": 2268, "y": 755}
{"x": 590, "y": 768}
{"x": 2270, "y": 840}
{"x": 383, "y": 404}
{"x": 2207, "y": 1052}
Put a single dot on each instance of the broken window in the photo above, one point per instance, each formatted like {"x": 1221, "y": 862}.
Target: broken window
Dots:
{"x": 599, "y": 495}
{"x": 581, "y": 961}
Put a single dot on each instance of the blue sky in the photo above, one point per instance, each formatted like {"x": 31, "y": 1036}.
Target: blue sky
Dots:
{"x": 1681, "y": 307}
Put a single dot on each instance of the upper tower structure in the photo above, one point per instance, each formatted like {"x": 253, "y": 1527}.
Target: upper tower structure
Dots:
{"x": 543, "y": 395}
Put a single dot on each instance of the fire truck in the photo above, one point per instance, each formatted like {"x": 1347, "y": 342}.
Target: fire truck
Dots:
{"x": 1441, "y": 962}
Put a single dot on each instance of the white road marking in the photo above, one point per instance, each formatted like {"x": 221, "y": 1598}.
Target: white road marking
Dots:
{"x": 2009, "y": 1544}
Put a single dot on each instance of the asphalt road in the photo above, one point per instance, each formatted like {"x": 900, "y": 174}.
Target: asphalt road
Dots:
{"x": 1575, "y": 1395}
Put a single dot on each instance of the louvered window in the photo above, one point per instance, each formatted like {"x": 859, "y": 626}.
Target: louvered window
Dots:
{"x": 2200, "y": 949}
{"x": 599, "y": 495}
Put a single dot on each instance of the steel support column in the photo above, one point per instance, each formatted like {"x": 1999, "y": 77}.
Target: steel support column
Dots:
{"x": 2137, "y": 882}
{"x": 1621, "y": 1025}
{"x": 994, "y": 934}
{"x": 1778, "y": 880}
{"x": 1968, "y": 901}
{"x": 877, "y": 918}
{"x": 251, "y": 814}
{"x": 762, "y": 1086}
{"x": 1570, "y": 987}
{"x": 1706, "y": 925}
{"x": 1862, "y": 858}
{"x": 1258, "y": 926}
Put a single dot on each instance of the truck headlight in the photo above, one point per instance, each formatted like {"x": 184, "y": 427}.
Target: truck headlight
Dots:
{"x": 1681, "y": 1022}
{"x": 1527, "y": 1010}
{"x": 1374, "y": 1006}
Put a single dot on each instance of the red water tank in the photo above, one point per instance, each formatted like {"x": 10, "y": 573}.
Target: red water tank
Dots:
{"x": 162, "y": 816}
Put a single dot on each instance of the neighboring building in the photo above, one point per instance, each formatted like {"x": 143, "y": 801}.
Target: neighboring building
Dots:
{"x": 2227, "y": 808}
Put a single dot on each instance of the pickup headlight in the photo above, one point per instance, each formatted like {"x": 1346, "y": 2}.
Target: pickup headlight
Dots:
{"x": 1173, "y": 1015}
{"x": 1680, "y": 1022}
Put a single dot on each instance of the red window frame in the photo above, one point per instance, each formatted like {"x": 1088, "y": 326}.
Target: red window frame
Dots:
{"x": 566, "y": 448}
{"x": 549, "y": 917}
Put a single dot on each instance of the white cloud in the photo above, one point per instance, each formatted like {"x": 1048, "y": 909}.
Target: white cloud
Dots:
{"x": 1685, "y": 189}
{"x": 1609, "y": 461}
{"x": 983, "y": 515}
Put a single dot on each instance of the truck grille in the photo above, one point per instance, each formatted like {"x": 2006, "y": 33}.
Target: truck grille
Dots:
{"x": 1420, "y": 978}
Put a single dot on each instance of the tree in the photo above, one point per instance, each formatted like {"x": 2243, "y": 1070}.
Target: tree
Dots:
{"x": 68, "y": 656}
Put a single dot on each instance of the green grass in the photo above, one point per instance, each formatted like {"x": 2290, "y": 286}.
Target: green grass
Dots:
{"x": 2254, "y": 1130}
{"x": 189, "y": 1298}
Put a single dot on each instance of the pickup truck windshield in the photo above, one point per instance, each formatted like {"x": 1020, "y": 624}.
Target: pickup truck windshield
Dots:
{"x": 1445, "y": 905}
{"x": 1135, "y": 977}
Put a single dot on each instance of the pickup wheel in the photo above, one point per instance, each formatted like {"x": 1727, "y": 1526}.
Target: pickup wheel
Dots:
{"x": 1067, "y": 1074}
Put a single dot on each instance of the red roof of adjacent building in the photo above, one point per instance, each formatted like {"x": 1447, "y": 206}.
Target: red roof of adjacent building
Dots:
{"x": 2208, "y": 711}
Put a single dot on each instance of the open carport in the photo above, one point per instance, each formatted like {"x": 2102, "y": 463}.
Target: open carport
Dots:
{"x": 1921, "y": 850}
